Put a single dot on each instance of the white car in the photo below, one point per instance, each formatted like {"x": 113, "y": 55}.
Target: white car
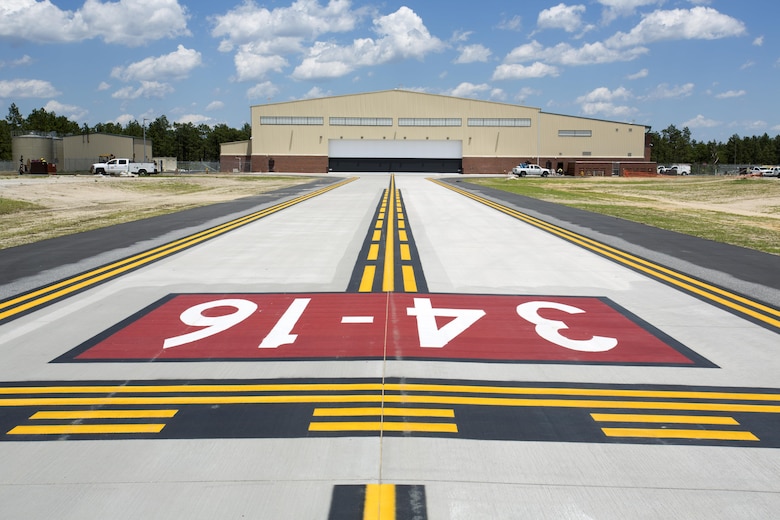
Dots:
{"x": 530, "y": 170}
{"x": 770, "y": 171}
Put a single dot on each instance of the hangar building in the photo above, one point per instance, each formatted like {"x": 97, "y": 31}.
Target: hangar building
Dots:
{"x": 403, "y": 131}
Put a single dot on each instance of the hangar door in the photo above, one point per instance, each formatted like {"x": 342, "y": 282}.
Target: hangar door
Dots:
{"x": 374, "y": 155}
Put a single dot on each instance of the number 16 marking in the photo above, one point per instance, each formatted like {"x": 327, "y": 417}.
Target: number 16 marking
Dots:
{"x": 280, "y": 334}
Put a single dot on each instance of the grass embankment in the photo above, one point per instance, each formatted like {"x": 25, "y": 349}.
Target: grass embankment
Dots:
{"x": 739, "y": 211}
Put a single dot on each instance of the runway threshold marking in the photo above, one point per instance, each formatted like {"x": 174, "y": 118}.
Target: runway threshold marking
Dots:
{"x": 757, "y": 312}
{"x": 388, "y": 260}
{"x": 489, "y": 411}
{"x": 31, "y": 300}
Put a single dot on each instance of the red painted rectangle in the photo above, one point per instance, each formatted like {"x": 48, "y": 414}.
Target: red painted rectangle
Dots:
{"x": 372, "y": 325}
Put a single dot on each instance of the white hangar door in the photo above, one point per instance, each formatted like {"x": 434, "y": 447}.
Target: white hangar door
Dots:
{"x": 396, "y": 156}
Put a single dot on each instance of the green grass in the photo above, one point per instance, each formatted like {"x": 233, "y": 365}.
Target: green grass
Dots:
{"x": 9, "y": 206}
{"x": 662, "y": 203}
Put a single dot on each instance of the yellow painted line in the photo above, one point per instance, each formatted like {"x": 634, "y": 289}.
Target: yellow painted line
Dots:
{"x": 402, "y": 236}
{"x": 375, "y": 426}
{"x": 68, "y": 286}
{"x": 401, "y": 224}
{"x": 104, "y": 414}
{"x": 376, "y": 236}
{"x": 388, "y": 279}
{"x": 439, "y": 400}
{"x": 373, "y": 252}
{"x": 388, "y": 387}
{"x": 410, "y": 282}
{"x": 380, "y": 502}
{"x": 716, "y": 294}
{"x": 379, "y": 224}
{"x": 406, "y": 252}
{"x": 676, "y": 419}
{"x": 381, "y": 215}
{"x": 389, "y": 411}
{"x": 68, "y": 429}
{"x": 719, "y": 435}
{"x": 367, "y": 281}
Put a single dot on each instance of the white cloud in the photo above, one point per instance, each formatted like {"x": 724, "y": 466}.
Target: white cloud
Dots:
{"x": 730, "y": 94}
{"x": 472, "y": 53}
{"x": 638, "y": 75}
{"x": 466, "y": 89}
{"x": 303, "y": 20}
{"x": 602, "y": 102}
{"x": 265, "y": 89}
{"x": 27, "y": 88}
{"x": 604, "y": 94}
{"x": 103, "y": 86}
{"x": 701, "y": 122}
{"x": 195, "y": 119}
{"x": 561, "y": 16}
{"x": 252, "y": 66}
{"x": 565, "y": 54}
{"x": 401, "y": 35}
{"x": 124, "y": 119}
{"x": 517, "y": 71}
{"x": 316, "y": 92}
{"x": 666, "y": 91}
{"x": 759, "y": 41}
{"x": 514, "y": 23}
{"x": 699, "y": 23}
{"x": 215, "y": 105}
{"x": 175, "y": 65}
{"x": 72, "y": 112}
{"x": 524, "y": 92}
{"x": 127, "y": 22}
{"x": 262, "y": 38}
{"x": 24, "y": 60}
{"x": 617, "y": 8}
{"x": 148, "y": 89}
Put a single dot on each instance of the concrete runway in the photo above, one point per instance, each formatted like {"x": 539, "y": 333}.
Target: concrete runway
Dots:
{"x": 388, "y": 347}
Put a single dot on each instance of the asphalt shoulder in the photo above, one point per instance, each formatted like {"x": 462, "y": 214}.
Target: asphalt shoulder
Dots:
{"x": 70, "y": 254}
{"x": 736, "y": 268}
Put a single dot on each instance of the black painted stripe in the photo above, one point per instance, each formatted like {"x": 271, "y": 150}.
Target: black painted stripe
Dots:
{"x": 389, "y": 228}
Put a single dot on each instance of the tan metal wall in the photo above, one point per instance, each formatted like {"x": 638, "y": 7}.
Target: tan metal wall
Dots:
{"x": 313, "y": 140}
{"x": 81, "y": 151}
{"x": 609, "y": 139}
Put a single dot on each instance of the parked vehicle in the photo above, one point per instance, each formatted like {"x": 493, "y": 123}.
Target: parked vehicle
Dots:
{"x": 530, "y": 170}
{"x": 123, "y": 167}
{"x": 675, "y": 169}
{"x": 770, "y": 171}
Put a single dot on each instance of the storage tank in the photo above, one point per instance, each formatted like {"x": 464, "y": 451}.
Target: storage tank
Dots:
{"x": 36, "y": 147}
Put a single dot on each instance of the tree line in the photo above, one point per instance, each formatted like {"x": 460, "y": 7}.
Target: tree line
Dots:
{"x": 673, "y": 145}
{"x": 189, "y": 142}
{"x": 185, "y": 141}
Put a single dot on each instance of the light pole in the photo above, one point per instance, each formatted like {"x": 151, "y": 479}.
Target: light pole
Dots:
{"x": 144, "y": 125}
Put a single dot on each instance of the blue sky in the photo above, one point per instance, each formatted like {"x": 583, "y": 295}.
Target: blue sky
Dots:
{"x": 710, "y": 65}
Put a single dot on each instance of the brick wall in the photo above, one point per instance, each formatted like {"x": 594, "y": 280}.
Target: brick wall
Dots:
{"x": 290, "y": 163}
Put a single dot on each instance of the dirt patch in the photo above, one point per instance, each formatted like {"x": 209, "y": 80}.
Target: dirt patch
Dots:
{"x": 61, "y": 205}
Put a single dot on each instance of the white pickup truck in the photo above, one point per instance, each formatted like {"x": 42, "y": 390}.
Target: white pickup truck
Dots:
{"x": 123, "y": 167}
{"x": 530, "y": 170}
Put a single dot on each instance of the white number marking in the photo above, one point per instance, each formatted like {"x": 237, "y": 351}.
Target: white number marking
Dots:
{"x": 280, "y": 334}
{"x": 212, "y": 324}
{"x": 550, "y": 329}
{"x": 431, "y": 336}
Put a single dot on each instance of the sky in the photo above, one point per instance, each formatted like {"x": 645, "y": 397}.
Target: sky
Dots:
{"x": 710, "y": 65}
